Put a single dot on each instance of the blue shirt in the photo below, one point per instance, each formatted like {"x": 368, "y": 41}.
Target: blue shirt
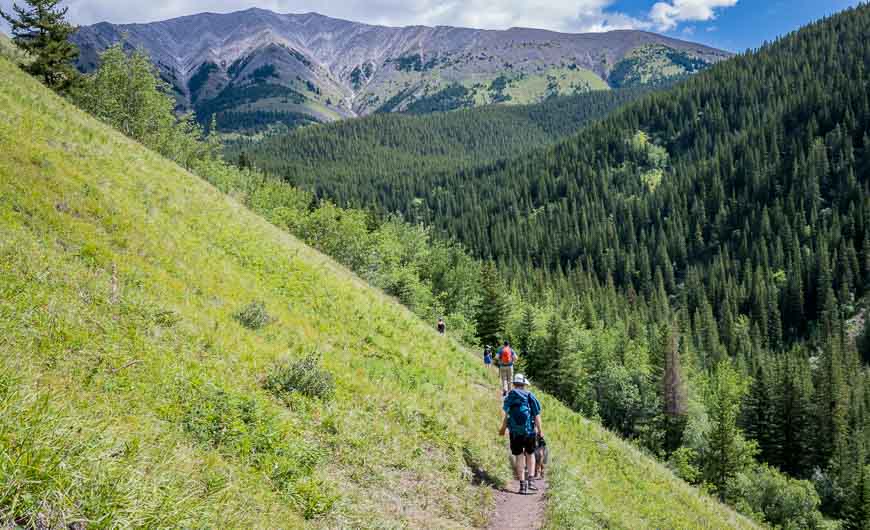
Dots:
{"x": 518, "y": 398}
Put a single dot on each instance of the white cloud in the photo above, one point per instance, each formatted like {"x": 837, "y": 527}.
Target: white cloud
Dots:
{"x": 666, "y": 15}
{"x": 559, "y": 15}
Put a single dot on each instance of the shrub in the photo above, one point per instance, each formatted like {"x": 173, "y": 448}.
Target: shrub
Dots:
{"x": 304, "y": 376}
{"x": 253, "y": 316}
{"x": 313, "y": 497}
{"x": 682, "y": 462}
{"x": 240, "y": 426}
{"x": 782, "y": 502}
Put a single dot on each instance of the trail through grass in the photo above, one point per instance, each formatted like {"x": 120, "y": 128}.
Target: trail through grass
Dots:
{"x": 152, "y": 333}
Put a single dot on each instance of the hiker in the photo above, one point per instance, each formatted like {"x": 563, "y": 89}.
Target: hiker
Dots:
{"x": 522, "y": 418}
{"x": 506, "y": 359}
{"x": 442, "y": 327}
{"x": 487, "y": 355}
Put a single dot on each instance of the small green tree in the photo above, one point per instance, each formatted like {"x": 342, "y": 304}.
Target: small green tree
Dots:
{"x": 726, "y": 452}
{"x": 126, "y": 93}
{"x": 41, "y": 31}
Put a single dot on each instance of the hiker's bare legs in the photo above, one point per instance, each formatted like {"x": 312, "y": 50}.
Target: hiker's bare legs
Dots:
{"x": 507, "y": 374}
{"x": 520, "y": 467}
{"x": 530, "y": 464}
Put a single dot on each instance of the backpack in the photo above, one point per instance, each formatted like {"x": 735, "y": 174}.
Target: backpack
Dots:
{"x": 506, "y": 356}
{"x": 519, "y": 412}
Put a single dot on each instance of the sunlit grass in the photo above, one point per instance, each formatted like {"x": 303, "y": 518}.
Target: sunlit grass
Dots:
{"x": 133, "y": 393}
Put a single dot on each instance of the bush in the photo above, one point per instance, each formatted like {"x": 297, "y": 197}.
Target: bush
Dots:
{"x": 304, "y": 376}
{"x": 127, "y": 93}
{"x": 782, "y": 502}
{"x": 313, "y": 497}
{"x": 682, "y": 462}
{"x": 253, "y": 316}
{"x": 238, "y": 425}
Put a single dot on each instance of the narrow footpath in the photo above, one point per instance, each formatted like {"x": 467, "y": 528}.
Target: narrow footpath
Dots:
{"x": 519, "y": 512}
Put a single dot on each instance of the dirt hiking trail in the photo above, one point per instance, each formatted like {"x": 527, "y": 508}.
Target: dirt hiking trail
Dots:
{"x": 519, "y": 512}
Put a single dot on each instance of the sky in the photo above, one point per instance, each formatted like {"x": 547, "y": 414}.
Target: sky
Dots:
{"x": 734, "y": 25}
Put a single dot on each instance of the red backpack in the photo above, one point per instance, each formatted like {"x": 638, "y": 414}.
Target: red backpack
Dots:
{"x": 506, "y": 355}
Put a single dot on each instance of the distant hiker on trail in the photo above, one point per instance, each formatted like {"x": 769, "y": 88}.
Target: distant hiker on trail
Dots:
{"x": 442, "y": 327}
{"x": 522, "y": 417}
{"x": 487, "y": 355}
{"x": 506, "y": 359}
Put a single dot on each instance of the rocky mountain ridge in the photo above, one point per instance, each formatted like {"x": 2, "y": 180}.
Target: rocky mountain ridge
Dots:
{"x": 298, "y": 67}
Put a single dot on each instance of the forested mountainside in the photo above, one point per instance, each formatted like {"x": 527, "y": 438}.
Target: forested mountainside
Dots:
{"x": 733, "y": 207}
{"x": 170, "y": 359}
{"x": 254, "y": 68}
{"x": 341, "y": 161}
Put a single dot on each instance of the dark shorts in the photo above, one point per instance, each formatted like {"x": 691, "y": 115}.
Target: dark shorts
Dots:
{"x": 521, "y": 443}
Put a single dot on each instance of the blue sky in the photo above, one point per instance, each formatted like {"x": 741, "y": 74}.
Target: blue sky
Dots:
{"x": 749, "y": 23}
{"x": 729, "y": 24}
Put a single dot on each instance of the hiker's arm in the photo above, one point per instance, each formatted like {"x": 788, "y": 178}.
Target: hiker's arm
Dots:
{"x": 538, "y": 427}
{"x": 503, "y": 427}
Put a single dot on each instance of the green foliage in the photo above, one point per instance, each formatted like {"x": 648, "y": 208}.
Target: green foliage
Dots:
{"x": 190, "y": 440}
{"x": 727, "y": 453}
{"x": 776, "y": 500}
{"x": 240, "y": 426}
{"x": 41, "y": 31}
{"x": 734, "y": 203}
{"x": 126, "y": 93}
{"x": 414, "y": 63}
{"x": 492, "y": 312}
{"x": 683, "y": 462}
{"x": 253, "y": 316}
{"x": 304, "y": 376}
{"x": 200, "y": 78}
{"x": 453, "y": 97}
{"x": 314, "y": 498}
{"x": 234, "y": 96}
{"x": 346, "y": 161}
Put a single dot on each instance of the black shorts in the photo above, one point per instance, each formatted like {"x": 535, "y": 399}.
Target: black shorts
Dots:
{"x": 521, "y": 443}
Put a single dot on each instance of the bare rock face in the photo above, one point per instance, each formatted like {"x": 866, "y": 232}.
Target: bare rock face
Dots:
{"x": 255, "y": 68}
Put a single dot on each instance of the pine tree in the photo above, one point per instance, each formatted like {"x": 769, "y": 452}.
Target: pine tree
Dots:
{"x": 727, "y": 452}
{"x": 493, "y": 309}
{"x": 41, "y": 30}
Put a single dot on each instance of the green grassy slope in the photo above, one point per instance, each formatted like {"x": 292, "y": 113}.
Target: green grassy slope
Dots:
{"x": 130, "y": 396}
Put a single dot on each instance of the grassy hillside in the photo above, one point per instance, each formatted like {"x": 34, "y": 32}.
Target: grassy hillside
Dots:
{"x": 133, "y": 395}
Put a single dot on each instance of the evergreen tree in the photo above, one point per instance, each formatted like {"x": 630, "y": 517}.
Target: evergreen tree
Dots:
{"x": 41, "y": 30}
{"x": 493, "y": 309}
{"x": 727, "y": 453}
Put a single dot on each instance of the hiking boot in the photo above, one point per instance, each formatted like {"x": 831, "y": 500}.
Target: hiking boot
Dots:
{"x": 530, "y": 485}
{"x": 524, "y": 488}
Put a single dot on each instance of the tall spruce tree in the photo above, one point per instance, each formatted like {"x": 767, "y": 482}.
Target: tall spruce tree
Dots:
{"x": 493, "y": 309}
{"x": 727, "y": 452}
{"x": 41, "y": 30}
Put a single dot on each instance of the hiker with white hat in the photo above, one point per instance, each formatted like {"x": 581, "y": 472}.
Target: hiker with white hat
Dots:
{"x": 522, "y": 418}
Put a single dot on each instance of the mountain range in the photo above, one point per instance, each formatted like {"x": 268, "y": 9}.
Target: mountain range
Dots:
{"x": 256, "y": 67}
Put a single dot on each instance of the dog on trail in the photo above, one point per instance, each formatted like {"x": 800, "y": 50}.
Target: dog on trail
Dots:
{"x": 542, "y": 456}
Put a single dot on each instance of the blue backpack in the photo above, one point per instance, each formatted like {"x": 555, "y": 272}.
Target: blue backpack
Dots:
{"x": 519, "y": 412}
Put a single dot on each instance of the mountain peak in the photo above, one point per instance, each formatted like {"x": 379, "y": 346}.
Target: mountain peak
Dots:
{"x": 311, "y": 67}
